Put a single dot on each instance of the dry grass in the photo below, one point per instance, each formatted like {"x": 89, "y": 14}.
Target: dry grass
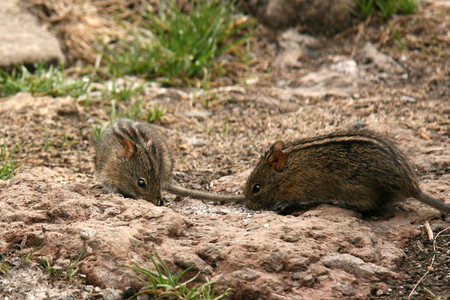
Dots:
{"x": 79, "y": 24}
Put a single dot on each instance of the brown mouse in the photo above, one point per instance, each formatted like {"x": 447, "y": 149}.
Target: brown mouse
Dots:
{"x": 357, "y": 169}
{"x": 133, "y": 159}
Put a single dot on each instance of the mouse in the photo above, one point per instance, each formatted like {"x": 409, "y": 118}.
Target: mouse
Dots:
{"x": 356, "y": 168}
{"x": 132, "y": 158}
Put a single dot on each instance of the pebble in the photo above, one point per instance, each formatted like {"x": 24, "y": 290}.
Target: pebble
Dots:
{"x": 88, "y": 288}
{"x": 112, "y": 294}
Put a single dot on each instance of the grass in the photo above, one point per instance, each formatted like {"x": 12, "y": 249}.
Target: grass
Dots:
{"x": 3, "y": 266}
{"x": 408, "y": 6}
{"x": 47, "y": 139}
{"x": 173, "y": 46}
{"x": 45, "y": 80}
{"x": 385, "y": 8}
{"x": 160, "y": 282}
{"x": 71, "y": 270}
{"x": 27, "y": 257}
{"x": 97, "y": 131}
{"x": 47, "y": 265}
{"x": 154, "y": 114}
{"x": 121, "y": 92}
{"x": 8, "y": 164}
{"x": 399, "y": 41}
{"x": 134, "y": 110}
{"x": 206, "y": 129}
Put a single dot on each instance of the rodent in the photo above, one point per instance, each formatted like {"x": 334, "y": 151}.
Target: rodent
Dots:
{"x": 357, "y": 169}
{"x": 133, "y": 159}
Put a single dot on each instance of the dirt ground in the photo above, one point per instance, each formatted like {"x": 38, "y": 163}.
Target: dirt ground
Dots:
{"x": 216, "y": 138}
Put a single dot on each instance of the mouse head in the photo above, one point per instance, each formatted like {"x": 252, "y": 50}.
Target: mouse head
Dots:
{"x": 263, "y": 184}
{"x": 137, "y": 171}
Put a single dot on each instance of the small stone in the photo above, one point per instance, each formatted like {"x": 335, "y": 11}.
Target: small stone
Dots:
{"x": 89, "y": 288}
{"x": 186, "y": 260}
{"x": 354, "y": 265}
{"x": 297, "y": 264}
{"x": 247, "y": 274}
{"x": 383, "y": 62}
{"x": 143, "y": 297}
{"x": 379, "y": 292}
{"x": 304, "y": 278}
{"x": 112, "y": 294}
{"x": 323, "y": 278}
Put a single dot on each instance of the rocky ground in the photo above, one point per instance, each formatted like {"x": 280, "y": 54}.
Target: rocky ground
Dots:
{"x": 315, "y": 85}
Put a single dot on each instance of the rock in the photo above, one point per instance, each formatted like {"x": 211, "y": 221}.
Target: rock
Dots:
{"x": 356, "y": 266}
{"x": 342, "y": 80}
{"x": 185, "y": 260}
{"x": 292, "y": 38}
{"x": 23, "y": 40}
{"x": 288, "y": 59}
{"x": 290, "y": 234}
{"x": 112, "y": 294}
{"x": 143, "y": 297}
{"x": 274, "y": 262}
{"x": 40, "y": 106}
{"x": 382, "y": 61}
{"x": 247, "y": 274}
{"x": 346, "y": 66}
{"x": 211, "y": 254}
{"x": 318, "y": 16}
{"x": 260, "y": 255}
{"x": 303, "y": 278}
{"x": 88, "y": 288}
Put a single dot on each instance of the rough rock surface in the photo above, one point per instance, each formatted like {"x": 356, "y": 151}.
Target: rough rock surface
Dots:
{"x": 313, "y": 16}
{"x": 23, "y": 40}
{"x": 260, "y": 255}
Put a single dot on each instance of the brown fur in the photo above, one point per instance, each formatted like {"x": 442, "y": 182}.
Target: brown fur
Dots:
{"x": 131, "y": 152}
{"x": 356, "y": 169}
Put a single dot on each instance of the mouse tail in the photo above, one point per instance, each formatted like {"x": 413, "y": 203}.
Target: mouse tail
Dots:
{"x": 184, "y": 192}
{"x": 439, "y": 205}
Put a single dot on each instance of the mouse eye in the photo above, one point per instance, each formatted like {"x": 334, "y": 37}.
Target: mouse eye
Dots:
{"x": 256, "y": 188}
{"x": 141, "y": 183}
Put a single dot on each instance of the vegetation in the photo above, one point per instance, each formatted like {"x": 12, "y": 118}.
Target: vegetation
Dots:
{"x": 121, "y": 93}
{"x": 27, "y": 257}
{"x": 385, "y": 8}
{"x": 160, "y": 282}
{"x": 72, "y": 269}
{"x": 45, "y": 80}
{"x": 174, "y": 46}
{"x": 8, "y": 164}
{"x": 135, "y": 109}
{"x": 3, "y": 266}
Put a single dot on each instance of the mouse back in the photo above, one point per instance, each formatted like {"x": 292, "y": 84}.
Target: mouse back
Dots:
{"x": 356, "y": 168}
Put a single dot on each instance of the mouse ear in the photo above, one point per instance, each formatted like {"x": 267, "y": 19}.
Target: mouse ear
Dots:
{"x": 276, "y": 160}
{"x": 277, "y": 146}
{"x": 129, "y": 148}
{"x": 151, "y": 145}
